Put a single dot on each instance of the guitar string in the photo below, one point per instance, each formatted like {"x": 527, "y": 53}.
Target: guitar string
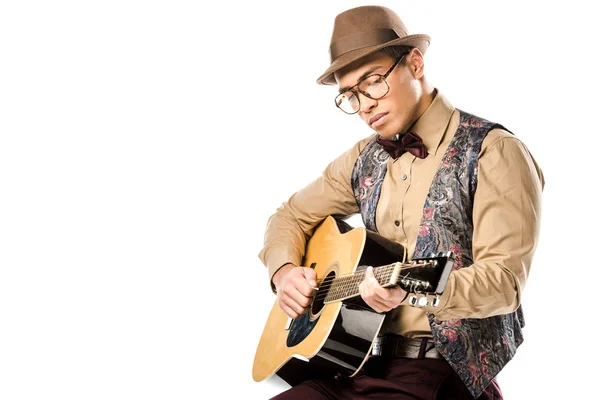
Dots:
{"x": 342, "y": 294}
{"x": 341, "y": 279}
{"x": 356, "y": 278}
{"x": 351, "y": 284}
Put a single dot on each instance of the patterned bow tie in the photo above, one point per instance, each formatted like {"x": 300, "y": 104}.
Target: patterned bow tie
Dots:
{"x": 410, "y": 142}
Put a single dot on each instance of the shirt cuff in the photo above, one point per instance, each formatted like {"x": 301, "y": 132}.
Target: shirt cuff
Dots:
{"x": 277, "y": 258}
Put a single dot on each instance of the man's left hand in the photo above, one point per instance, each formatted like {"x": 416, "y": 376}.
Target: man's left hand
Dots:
{"x": 376, "y": 296}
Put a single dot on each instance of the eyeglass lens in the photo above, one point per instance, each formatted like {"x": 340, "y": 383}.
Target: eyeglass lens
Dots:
{"x": 373, "y": 86}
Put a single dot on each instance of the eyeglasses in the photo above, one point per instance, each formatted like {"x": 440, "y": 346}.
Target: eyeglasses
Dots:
{"x": 373, "y": 86}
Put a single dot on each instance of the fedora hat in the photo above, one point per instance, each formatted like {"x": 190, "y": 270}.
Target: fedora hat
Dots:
{"x": 363, "y": 30}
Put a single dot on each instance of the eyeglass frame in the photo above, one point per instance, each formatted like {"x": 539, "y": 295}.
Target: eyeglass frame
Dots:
{"x": 351, "y": 89}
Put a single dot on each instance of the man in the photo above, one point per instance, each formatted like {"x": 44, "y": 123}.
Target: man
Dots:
{"x": 432, "y": 178}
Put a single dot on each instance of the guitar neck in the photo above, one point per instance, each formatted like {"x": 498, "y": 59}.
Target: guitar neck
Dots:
{"x": 423, "y": 276}
{"x": 346, "y": 287}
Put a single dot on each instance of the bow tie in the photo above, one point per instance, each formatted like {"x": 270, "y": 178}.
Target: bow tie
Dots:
{"x": 410, "y": 142}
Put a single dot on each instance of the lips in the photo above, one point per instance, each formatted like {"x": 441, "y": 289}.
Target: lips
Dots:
{"x": 374, "y": 118}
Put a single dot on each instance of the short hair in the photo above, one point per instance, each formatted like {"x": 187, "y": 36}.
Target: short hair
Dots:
{"x": 395, "y": 52}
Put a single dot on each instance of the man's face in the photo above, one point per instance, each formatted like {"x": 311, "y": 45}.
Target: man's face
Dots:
{"x": 396, "y": 111}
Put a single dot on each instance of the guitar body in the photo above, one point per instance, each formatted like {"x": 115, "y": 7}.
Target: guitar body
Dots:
{"x": 332, "y": 337}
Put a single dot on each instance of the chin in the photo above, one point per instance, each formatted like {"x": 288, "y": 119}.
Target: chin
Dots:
{"x": 389, "y": 129}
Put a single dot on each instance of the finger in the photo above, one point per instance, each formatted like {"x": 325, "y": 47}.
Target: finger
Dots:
{"x": 389, "y": 304}
{"x": 297, "y": 308}
{"x": 367, "y": 295}
{"x": 300, "y": 299}
{"x": 306, "y": 289}
{"x": 370, "y": 277}
{"x": 362, "y": 290}
{"x": 372, "y": 289}
{"x": 288, "y": 311}
{"x": 393, "y": 297}
{"x": 367, "y": 286}
{"x": 311, "y": 276}
{"x": 377, "y": 305}
{"x": 383, "y": 294}
{"x": 397, "y": 294}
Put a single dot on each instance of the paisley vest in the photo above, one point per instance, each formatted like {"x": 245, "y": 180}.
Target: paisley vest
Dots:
{"x": 477, "y": 349}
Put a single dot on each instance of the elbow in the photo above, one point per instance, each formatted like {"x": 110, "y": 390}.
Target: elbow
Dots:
{"x": 511, "y": 300}
{"x": 499, "y": 293}
{"x": 518, "y": 277}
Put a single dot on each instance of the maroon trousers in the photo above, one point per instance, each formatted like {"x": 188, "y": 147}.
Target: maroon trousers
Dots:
{"x": 395, "y": 378}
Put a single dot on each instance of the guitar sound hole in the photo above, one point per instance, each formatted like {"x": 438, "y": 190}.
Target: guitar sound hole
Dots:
{"x": 324, "y": 287}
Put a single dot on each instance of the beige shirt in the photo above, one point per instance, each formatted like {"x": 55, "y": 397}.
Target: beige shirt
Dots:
{"x": 506, "y": 219}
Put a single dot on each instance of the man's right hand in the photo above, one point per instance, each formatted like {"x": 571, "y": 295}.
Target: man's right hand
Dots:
{"x": 295, "y": 288}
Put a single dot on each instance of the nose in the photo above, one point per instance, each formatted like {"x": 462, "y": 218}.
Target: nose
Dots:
{"x": 366, "y": 103}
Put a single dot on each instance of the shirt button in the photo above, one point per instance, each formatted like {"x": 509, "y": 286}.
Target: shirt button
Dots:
{"x": 403, "y": 177}
{"x": 397, "y": 223}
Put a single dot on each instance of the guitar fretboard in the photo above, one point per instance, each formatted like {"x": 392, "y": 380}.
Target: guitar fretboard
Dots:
{"x": 346, "y": 287}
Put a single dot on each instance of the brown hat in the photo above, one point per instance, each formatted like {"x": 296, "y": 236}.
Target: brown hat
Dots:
{"x": 364, "y": 30}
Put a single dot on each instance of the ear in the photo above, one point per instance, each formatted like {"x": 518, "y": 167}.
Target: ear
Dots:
{"x": 416, "y": 63}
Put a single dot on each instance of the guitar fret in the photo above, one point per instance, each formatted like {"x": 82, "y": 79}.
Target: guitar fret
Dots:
{"x": 348, "y": 286}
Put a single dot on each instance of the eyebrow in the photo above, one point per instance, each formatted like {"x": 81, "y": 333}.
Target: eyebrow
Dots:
{"x": 363, "y": 76}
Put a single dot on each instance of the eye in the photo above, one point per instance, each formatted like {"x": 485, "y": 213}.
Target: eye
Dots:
{"x": 374, "y": 79}
{"x": 346, "y": 96}
{"x": 370, "y": 80}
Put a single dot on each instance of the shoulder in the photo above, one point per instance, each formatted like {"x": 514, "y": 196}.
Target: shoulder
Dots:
{"x": 498, "y": 134}
{"x": 499, "y": 139}
{"x": 358, "y": 147}
{"x": 501, "y": 147}
{"x": 361, "y": 144}
{"x": 344, "y": 163}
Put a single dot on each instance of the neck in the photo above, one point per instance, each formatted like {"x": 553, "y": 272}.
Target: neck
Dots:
{"x": 427, "y": 96}
{"x": 429, "y": 93}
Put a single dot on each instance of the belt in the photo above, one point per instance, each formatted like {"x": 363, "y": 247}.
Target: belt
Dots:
{"x": 399, "y": 346}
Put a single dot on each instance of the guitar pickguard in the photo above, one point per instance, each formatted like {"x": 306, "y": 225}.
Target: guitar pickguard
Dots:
{"x": 300, "y": 329}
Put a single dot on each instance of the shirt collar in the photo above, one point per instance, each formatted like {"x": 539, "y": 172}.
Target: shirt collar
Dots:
{"x": 433, "y": 123}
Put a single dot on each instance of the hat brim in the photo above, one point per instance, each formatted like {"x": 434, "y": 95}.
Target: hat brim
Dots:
{"x": 419, "y": 41}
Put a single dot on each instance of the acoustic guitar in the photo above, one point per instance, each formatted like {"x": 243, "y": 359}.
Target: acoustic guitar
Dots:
{"x": 337, "y": 333}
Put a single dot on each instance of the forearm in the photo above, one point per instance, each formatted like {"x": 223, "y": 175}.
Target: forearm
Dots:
{"x": 481, "y": 290}
{"x": 284, "y": 241}
{"x": 294, "y": 222}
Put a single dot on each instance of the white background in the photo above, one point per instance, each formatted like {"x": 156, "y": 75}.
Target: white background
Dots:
{"x": 144, "y": 145}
